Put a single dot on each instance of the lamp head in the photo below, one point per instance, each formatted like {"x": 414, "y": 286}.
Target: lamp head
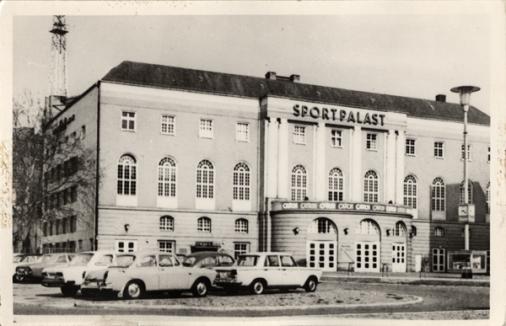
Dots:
{"x": 465, "y": 93}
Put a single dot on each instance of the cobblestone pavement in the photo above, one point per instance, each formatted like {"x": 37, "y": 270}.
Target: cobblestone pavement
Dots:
{"x": 330, "y": 298}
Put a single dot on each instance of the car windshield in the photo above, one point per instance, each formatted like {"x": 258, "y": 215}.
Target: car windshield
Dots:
{"x": 103, "y": 260}
{"x": 18, "y": 259}
{"x": 49, "y": 258}
{"x": 31, "y": 259}
{"x": 124, "y": 260}
{"x": 247, "y": 260}
{"x": 189, "y": 261}
{"x": 81, "y": 259}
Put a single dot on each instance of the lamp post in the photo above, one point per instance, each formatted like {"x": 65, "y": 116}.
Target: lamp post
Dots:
{"x": 465, "y": 95}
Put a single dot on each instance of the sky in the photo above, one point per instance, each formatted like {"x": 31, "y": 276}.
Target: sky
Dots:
{"x": 406, "y": 55}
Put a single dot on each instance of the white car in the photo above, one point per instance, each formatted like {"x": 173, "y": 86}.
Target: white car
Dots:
{"x": 69, "y": 277}
{"x": 134, "y": 274}
{"x": 258, "y": 271}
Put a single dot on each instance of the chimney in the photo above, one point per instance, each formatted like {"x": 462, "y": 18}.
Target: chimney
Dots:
{"x": 270, "y": 75}
{"x": 295, "y": 78}
{"x": 441, "y": 98}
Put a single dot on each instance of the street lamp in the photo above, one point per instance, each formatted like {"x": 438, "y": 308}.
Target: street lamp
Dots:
{"x": 465, "y": 95}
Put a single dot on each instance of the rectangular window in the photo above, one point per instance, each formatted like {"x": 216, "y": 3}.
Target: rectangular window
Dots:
{"x": 371, "y": 141}
{"x": 125, "y": 246}
{"x": 336, "y": 138}
{"x": 468, "y": 152}
{"x": 299, "y": 134}
{"x": 83, "y": 131}
{"x": 167, "y": 246}
{"x": 168, "y": 125}
{"x": 206, "y": 128}
{"x": 439, "y": 149}
{"x": 242, "y": 131}
{"x": 128, "y": 121}
{"x": 240, "y": 248}
{"x": 488, "y": 155}
{"x": 410, "y": 146}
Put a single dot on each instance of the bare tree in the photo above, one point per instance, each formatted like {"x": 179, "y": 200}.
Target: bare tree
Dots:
{"x": 54, "y": 175}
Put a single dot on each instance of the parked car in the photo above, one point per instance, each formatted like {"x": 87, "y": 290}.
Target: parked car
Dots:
{"x": 134, "y": 274}
{"x": 22, "y": 259}
{"x": 33, "y": 271}
{"x": 208, "y": 259}
{"x": 258, "y": 271}
{"x": 69, "y": 277}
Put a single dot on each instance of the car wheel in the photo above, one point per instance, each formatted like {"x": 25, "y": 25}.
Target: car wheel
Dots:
{"x": 311, "y": 284}
{"x": 200, "y": 288}
{"x": 133, "y": 290}
{"x": 69, "y": 291}
{"x": 20, "y": 278}
{"x": 257, "y": 287}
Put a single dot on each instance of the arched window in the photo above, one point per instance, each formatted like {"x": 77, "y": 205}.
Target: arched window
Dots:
{"x": 410, "y": 191}
{"x": 439, "y": 231}
{"x": 127, "y": 175}
{"x": 241, "y": 182}
{"x": 166, "y": 223}
{"x": 400, "y": 229}
{"x": 241, "y": 225}
{"x": 204, "y": 224}
{"x": 438, "y": 195}
{"x": 469, "y": 192}
{"x": 336, "y": 185}
{"x": 371, "y": 190}
{"x": 369, "y": 227}
{"x": 299, "y": 183}
{"x": 323, "y": 225}
{"x": 205, "y": 179}
{"x": 167, "y": 178}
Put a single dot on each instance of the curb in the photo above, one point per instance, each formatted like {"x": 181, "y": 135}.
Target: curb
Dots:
{"x": 412, "y": 281}
{"x": 415, "y": 300}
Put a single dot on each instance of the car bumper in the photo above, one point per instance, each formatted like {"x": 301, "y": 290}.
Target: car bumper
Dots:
{"x": 56, "y": 282}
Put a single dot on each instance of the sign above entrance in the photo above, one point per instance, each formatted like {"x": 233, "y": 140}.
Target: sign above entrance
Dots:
{"x": 333, "y": 206}
{"x": 339, "y": 115}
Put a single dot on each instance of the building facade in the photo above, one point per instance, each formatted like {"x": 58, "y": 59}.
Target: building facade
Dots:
{"x": 192, "y": 160}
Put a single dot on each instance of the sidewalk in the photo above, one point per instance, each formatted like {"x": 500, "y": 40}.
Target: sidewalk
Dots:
{"x": 408, "y": 278}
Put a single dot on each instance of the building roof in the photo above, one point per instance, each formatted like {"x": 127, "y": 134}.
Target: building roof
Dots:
{"x": 144, "y": 74}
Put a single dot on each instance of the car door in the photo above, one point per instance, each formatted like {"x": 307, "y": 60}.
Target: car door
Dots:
{"x": 173, "y": 276}
{"x": 146, "y": 269}
{"x": 292, "y": 274}
{"x": 272, "y": 270}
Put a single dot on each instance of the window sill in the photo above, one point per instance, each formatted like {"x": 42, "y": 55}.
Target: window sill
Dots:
{"x": 206, "y": 137}
{"x": 129, "y": 130}
{"x": 439, "y": 157}
{"x": 167, "y": 134}
{"x": 372, "y": 149}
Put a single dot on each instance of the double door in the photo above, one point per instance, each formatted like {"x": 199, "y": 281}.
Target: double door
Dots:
{"x": 367, "y": 256}
{"x": 322, "y": 255}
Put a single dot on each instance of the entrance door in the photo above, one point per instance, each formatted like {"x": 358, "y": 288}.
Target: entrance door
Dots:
{"x": 438, "y": 259}
{"x": 322, "y": 255}
{"x": 399, "y": 257}
{"x": 367, "y": 257}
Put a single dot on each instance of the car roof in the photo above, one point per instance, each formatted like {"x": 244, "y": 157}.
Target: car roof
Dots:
{"x": 207, "y": 254}
{"x": 267, "y": 253}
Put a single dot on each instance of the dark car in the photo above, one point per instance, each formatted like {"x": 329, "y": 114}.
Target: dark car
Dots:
{"x": 33, "y": 271}
{"x": 208, "y": 259}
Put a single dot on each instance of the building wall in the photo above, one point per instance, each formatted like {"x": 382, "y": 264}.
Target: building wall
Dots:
{"x": 85, "y": 114}
{"x": 285, "y": 239}
{"x": 149, "y": 146}
{"x": 144, "y": 224}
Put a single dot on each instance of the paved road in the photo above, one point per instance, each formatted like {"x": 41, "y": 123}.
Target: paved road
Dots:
{"x": 35, "y": 299}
